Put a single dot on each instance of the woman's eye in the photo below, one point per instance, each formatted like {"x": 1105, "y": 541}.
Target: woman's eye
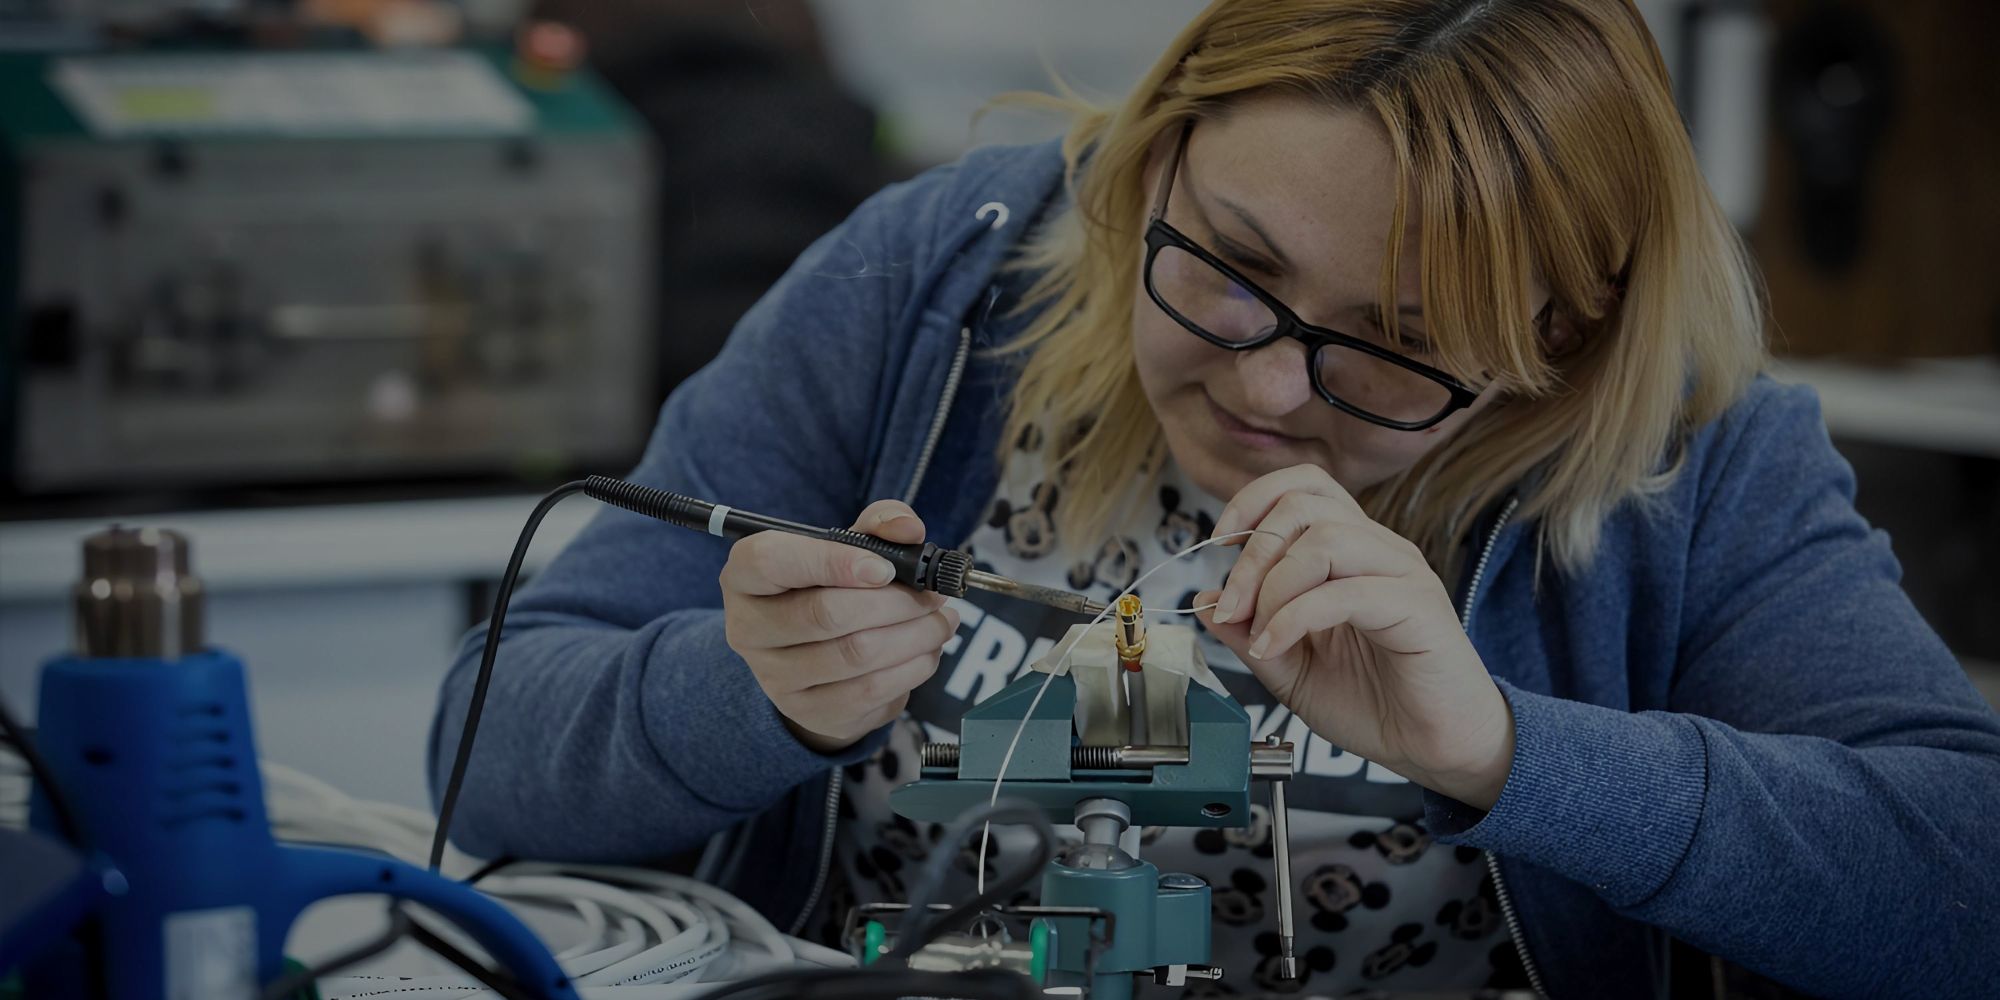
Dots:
{"x": 1259, "y": 268}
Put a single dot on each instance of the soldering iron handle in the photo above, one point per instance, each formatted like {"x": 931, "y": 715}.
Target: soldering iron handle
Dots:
{"x": 659, "y": 504}
{"x": 910, "y": 559}
{"x": 922, "y": 565}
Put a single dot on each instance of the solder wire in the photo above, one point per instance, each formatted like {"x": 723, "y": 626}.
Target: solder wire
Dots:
{"x": 986, "y": 831}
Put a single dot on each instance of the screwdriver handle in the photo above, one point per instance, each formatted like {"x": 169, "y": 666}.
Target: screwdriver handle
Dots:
{"x": 923, "y": 565}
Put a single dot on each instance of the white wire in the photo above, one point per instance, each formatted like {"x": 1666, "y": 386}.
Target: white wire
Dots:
{"x": 781, "y": 947}
{"x": 1007, "y": 758}
{"x": 595, "y": 927}
{"x": 631, "y": 938}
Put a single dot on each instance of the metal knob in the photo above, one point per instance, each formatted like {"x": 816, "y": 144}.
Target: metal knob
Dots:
{"x": 137, "y": 598}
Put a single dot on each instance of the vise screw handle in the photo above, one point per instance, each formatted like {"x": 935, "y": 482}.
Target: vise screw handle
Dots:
{"x": 1281, "y": 860}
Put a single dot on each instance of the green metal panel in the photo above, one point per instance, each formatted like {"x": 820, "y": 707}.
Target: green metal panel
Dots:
{"x": 1129, "y": 892}
{"x": 1043, "y": 751}
{"x": 1211, "y": 790}
{"x": 581, "y": 103}
{"x": 30, "y": 109}
{"x": 1181, "y": 921}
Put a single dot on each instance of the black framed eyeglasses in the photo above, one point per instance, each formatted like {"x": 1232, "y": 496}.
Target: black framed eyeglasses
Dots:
{"x": 1215, "y": 302}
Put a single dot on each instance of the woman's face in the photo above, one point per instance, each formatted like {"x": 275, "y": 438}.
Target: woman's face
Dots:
{"x": 1299, "y": 200}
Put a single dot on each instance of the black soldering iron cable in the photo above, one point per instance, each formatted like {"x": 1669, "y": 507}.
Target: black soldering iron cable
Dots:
{"x": 480, "y": 681}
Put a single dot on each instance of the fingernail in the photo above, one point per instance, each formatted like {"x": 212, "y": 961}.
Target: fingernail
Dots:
{"x": 1257, "y": 648}
{"x": 875, "y": 571}
{"x": 1226, "y": 608}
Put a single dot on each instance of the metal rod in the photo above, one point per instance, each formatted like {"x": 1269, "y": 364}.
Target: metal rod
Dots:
{"x": 1139, "y": 758}
{"x": 1281, "y": 858}
{"x": 1061, "y": 599}
{"x": 1271, "y": 761}
{"x": 1140, "y": 730}
{"x": 1087, "y": 757}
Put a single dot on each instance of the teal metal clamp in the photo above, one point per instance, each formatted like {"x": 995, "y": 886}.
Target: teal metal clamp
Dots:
{"x": 1161, "y": 920}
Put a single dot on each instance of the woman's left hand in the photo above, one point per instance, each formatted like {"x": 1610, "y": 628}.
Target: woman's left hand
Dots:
{"x": 1344, "y": 621}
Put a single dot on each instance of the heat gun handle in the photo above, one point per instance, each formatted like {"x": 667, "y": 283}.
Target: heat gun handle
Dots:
{"x": 316, "y": 873}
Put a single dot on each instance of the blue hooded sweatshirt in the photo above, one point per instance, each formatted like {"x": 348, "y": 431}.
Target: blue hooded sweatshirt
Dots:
{"x": 1731, "y": 728}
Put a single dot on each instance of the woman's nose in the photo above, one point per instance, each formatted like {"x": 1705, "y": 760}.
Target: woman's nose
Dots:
{"x": 1274, "y": 377}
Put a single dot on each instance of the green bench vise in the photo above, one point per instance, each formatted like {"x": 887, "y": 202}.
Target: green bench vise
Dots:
{"x": 1195, "y": 773}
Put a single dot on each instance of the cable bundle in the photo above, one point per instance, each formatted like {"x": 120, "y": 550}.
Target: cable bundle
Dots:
{"x": 646, "y": 935}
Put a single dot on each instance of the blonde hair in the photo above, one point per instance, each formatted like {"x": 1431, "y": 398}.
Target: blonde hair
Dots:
{"x": 1538, "y": 138}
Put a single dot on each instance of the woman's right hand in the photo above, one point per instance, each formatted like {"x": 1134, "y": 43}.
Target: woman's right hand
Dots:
{"x": 834, "y": 644}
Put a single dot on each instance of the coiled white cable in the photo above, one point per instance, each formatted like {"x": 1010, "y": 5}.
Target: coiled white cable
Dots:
{"x": 643, "y": 934}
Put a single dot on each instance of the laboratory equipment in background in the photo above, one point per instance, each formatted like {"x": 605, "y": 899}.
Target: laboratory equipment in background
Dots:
{"x": 231, "y": 269}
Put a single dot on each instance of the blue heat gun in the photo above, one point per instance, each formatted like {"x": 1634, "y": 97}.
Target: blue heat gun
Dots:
{"x": 146, "y": 732}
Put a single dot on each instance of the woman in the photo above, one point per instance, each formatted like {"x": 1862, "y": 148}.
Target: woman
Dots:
{"x": 1567, "y": 608}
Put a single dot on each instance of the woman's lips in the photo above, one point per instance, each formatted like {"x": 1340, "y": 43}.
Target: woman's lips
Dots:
{"x": 1243, "y": 433}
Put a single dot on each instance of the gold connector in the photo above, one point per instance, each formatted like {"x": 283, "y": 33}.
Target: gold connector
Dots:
{"x": 1129, "y": 636}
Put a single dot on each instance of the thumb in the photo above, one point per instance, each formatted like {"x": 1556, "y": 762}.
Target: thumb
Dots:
{"x": 891, "y": 520}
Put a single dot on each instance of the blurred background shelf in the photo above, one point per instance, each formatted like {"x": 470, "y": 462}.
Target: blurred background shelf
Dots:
{"x": 1937, "y": 404}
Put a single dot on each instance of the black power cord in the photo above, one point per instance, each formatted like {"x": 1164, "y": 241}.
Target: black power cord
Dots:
{"x": 288, "y": 986}
{"x": 44, "y": 778}
{"x": 499, "y": 982}
{"x": 918, "y": 928}
{"x": 489, "y": 868}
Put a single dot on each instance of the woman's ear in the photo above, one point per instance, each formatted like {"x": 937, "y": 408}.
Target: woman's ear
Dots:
{"x": 1563, "y": 334}
{"x": 1560, "y": 336}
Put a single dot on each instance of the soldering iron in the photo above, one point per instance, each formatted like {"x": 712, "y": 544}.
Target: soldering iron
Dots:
{"x": 923, "y": 565}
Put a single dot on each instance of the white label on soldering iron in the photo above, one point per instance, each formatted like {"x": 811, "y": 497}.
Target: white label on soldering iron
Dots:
{"x": 211, "y": 954}
{"x": 715, "y": 516}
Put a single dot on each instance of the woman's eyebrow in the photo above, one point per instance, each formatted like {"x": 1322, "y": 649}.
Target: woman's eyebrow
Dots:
{"x": 1247, "y": 219}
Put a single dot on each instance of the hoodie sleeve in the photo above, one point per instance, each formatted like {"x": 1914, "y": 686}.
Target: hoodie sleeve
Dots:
{"x": 619, "y": 725}
{"x": 1819, "y": 803}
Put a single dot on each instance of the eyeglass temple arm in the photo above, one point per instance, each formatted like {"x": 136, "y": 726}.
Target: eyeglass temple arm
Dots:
{"x": 1173, "y": 167}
